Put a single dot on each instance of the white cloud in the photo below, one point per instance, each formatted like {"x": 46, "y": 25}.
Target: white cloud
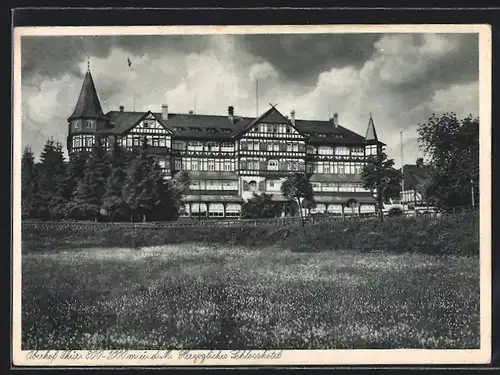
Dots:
{"x": 224, "y": 75}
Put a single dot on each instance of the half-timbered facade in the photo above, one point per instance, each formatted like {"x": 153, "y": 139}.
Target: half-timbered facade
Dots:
{"x": 229, "y": 158}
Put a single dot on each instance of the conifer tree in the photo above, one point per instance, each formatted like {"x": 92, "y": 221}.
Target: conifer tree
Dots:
{"x": 113, "y": 200}
{"x": 92, "y": 187}
{"x": 28, "y": 184}
{"x": 141, "y": 190}
{"x": 75, "y": 171}
{"x": 50, "y": 176}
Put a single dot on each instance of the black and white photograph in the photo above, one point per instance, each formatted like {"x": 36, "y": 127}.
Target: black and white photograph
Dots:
{"x": 252, "y": 195}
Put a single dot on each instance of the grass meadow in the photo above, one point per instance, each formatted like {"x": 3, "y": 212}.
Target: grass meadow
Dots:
{"x": 199, "y": 296}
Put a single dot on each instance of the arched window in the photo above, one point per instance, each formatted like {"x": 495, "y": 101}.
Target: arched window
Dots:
{"x": 272, "y": 165}
{"x": 252, "y": 185}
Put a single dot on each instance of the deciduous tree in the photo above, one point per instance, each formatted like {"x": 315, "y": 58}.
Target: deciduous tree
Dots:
{"x": 451, "y": 146}
{"x": 260, "y": 206}
{"x": 380, "y": 176}
{"x": 297, "y": 187}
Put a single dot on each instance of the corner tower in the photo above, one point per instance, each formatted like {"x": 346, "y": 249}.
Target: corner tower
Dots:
{"x": 372, "y": 145}
{"x": 87, "y": 118}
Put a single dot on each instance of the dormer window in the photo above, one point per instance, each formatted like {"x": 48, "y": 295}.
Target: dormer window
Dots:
{"x": 211, "y": 130}
{"x": 225, "y": 130}
{"x": 77, "y": 124}
{"x": 89, "y": 124}
{"x": 178, "y": 128}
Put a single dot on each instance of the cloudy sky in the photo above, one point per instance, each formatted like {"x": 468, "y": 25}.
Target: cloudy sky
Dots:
{"x": 401, "y": 78}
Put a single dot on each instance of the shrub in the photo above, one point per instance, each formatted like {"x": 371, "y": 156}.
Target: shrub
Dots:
{"x": 454, "y": 234}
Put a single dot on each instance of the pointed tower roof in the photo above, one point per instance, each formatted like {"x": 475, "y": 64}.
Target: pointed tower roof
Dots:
{"x": 371, "y": 133}
{"x": 88, "y": 105}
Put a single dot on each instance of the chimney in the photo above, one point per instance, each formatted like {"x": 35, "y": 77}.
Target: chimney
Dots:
{"x": 164, "y": 112}
{"x": 420, "y": 162}
{"x": 122, "y": 108}
{"x": 292, "y": 117}
{"x": 230, "y": 112}
{"x": 336, "y": 119}
{"x": 191, "y": 112}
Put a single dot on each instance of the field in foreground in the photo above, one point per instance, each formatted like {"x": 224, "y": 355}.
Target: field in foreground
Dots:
{"x": 200, "y": 297}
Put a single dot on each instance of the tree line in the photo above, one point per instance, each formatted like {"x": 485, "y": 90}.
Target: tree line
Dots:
{"x": 113, "y": 185}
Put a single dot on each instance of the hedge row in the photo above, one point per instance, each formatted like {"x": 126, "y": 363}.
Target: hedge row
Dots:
{"x": 451, "y": 234}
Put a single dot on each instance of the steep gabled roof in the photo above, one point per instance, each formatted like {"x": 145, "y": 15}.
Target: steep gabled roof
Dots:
{"x": 371, "y": 133}
{"x": 88, "y": 105}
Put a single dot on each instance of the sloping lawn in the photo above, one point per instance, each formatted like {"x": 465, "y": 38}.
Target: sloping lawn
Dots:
{"x": 199, "y": 297}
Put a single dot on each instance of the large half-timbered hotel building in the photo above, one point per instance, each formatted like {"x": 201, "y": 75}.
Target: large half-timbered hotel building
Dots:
{"x": 231, "y": 157}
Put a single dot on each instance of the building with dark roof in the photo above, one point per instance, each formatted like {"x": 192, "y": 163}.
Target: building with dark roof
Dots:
{"x": 415, "y": 178}
{"x": 231, "y": 157}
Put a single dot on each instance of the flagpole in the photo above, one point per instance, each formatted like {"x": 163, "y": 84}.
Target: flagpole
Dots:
{"x": 402, "y": 160}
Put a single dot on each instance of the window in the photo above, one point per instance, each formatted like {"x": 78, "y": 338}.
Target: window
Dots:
{"x": 289, "y": 147}
{"x": 325, "y": 150}
{"x": 262, "y": 128}
{"x": 226, "y": 130}
{"x": 341, "y": 168}
{"x": 89, "y": 124}
{"x": 77, "y": 124}
{"x": 252, "y": 185}
{"x": 149, "y": 124}
{"x": 288, "y": 129}
{"x": 178, "y": 128}
{"x": 227, "y": 166}
{"x": 210, "y": 146}
{"x": 179, "y": 145}
{"x": 272, "y": 165}
{"x": 88, "y": 141}
{"x": 211, "y": 165}
{"x": 341, "y": 151}
{"x": 254, "y": 129}
{"x": 311, "y": 149}
{"x": 274, "y": 128}
{"x": 77, "y": 142}
{"x": 194, "y": 165}
{"x": 357, "y": 151}
{"x": 194, "y": 145}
